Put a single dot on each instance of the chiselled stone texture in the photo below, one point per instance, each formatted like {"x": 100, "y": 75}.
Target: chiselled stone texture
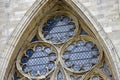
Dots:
{"x": 106, "y": 12}
{"x": 11, "y": 12}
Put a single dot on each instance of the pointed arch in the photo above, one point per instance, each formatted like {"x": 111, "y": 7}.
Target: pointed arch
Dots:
{"x": 28, "y": 23}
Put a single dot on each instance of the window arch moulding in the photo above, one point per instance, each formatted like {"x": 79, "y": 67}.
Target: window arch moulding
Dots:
{"x": 77, "y": 32}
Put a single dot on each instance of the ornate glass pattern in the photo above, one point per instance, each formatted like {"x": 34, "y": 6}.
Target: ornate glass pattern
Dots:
{"x": 61, "y": 50}
{"x": 58, "y": 29}
{"x": 39, "y": 59}
{"x": 81, "y": 55}
{"x": 59, "y": 76}
{"x": 106, "y": 69}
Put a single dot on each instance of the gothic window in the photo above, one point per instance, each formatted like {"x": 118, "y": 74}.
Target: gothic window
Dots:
{"x": 62, "y": 49}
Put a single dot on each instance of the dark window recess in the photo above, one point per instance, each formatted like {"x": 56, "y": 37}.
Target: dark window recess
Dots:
{"x": 83, "y": 32}
{"x": 35, "y": 38}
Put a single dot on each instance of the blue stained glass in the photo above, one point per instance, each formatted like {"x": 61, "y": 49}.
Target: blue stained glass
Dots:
{"x": 94, "y": 60}
{"x": 47, "y": 50}
{"x": 33, "y": 73}
{"x": 106, "y": 70}
{"x": 38, "y": 60}
{"x": 70, "y": 47}
{"x": 80, "y": 42}
{"x": 24, "y": 59}
{"x": 29, "y": 52}
{"x": 83, "y": 32}
{"x": 76, "y": 67}
{"x": 90, "y": 44}
{"x": 46, "y": 28}
{"x": 15, "y": 77}
{"x": 24, "y": 68}
{"x": 66, "y": 19}
{"x": 80, "y": 56}
{"x": 95, "y": 78}
{"x": 58, "y": 29}
{"x": 63, "y": 38}
{"x": 51, "y": 21}
{"x": 87, "y": 66}
{"x": 51, "y": 65}
{"x": 60, "y": 76}
{"x": 38, "y": 48}
{"x": 43, "y": 71}
{"x": 35, "y": 38}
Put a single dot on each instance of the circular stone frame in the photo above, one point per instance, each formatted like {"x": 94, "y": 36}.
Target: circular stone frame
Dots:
{"x": 82, "y": 37}
{"x": 32, "y": 46}
{"x": 53, "y": 14}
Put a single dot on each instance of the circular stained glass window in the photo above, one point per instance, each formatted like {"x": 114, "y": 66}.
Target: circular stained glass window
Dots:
{"x": 38, "y": 59}
{"x": 80, "y": 55}
{"x": 75, "y": 55}
{"x": 59, "y": 28}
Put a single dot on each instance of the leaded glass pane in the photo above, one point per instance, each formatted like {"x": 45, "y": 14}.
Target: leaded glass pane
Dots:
{"x": 39, "y": 59}
{"x": 83, "y": 32}
{"x": 15, "y": 77}
{"x": 35, "y": 38}
{"x": 58, "y": 29}
{"x": 106, "y": 69}
{"x": 95, "y": 78}
{"x": 81, "y": 56}
{"x": 59, "y": 76}
{"x": 66, "y": 52}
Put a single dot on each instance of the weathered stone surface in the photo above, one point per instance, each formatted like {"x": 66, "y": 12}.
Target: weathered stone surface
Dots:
{"x": 106, "y": 12}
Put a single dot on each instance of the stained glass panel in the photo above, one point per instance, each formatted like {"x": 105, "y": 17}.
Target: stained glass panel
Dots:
{"x": 39, "y": 60}
{"x": 58, "y": 29}
{"x": 60, "y": 76}
{"x": 81, "y": 56}
{"x": 76, "y": 54}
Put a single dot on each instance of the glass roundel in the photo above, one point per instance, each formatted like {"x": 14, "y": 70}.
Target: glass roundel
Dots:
{"x": 38, "y": 59}
{"x": 80, "y": 55}
{"x": 96, "y": 77}
{"x": 58, "y": 29}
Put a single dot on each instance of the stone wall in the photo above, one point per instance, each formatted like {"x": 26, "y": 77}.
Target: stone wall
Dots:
{"x": 106, "y": 12}
{"x": 11, "y": 12}
{"x": 119, "y": 7}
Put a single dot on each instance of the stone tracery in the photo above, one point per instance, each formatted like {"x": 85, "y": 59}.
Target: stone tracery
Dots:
{"x": 78, "y": 53}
